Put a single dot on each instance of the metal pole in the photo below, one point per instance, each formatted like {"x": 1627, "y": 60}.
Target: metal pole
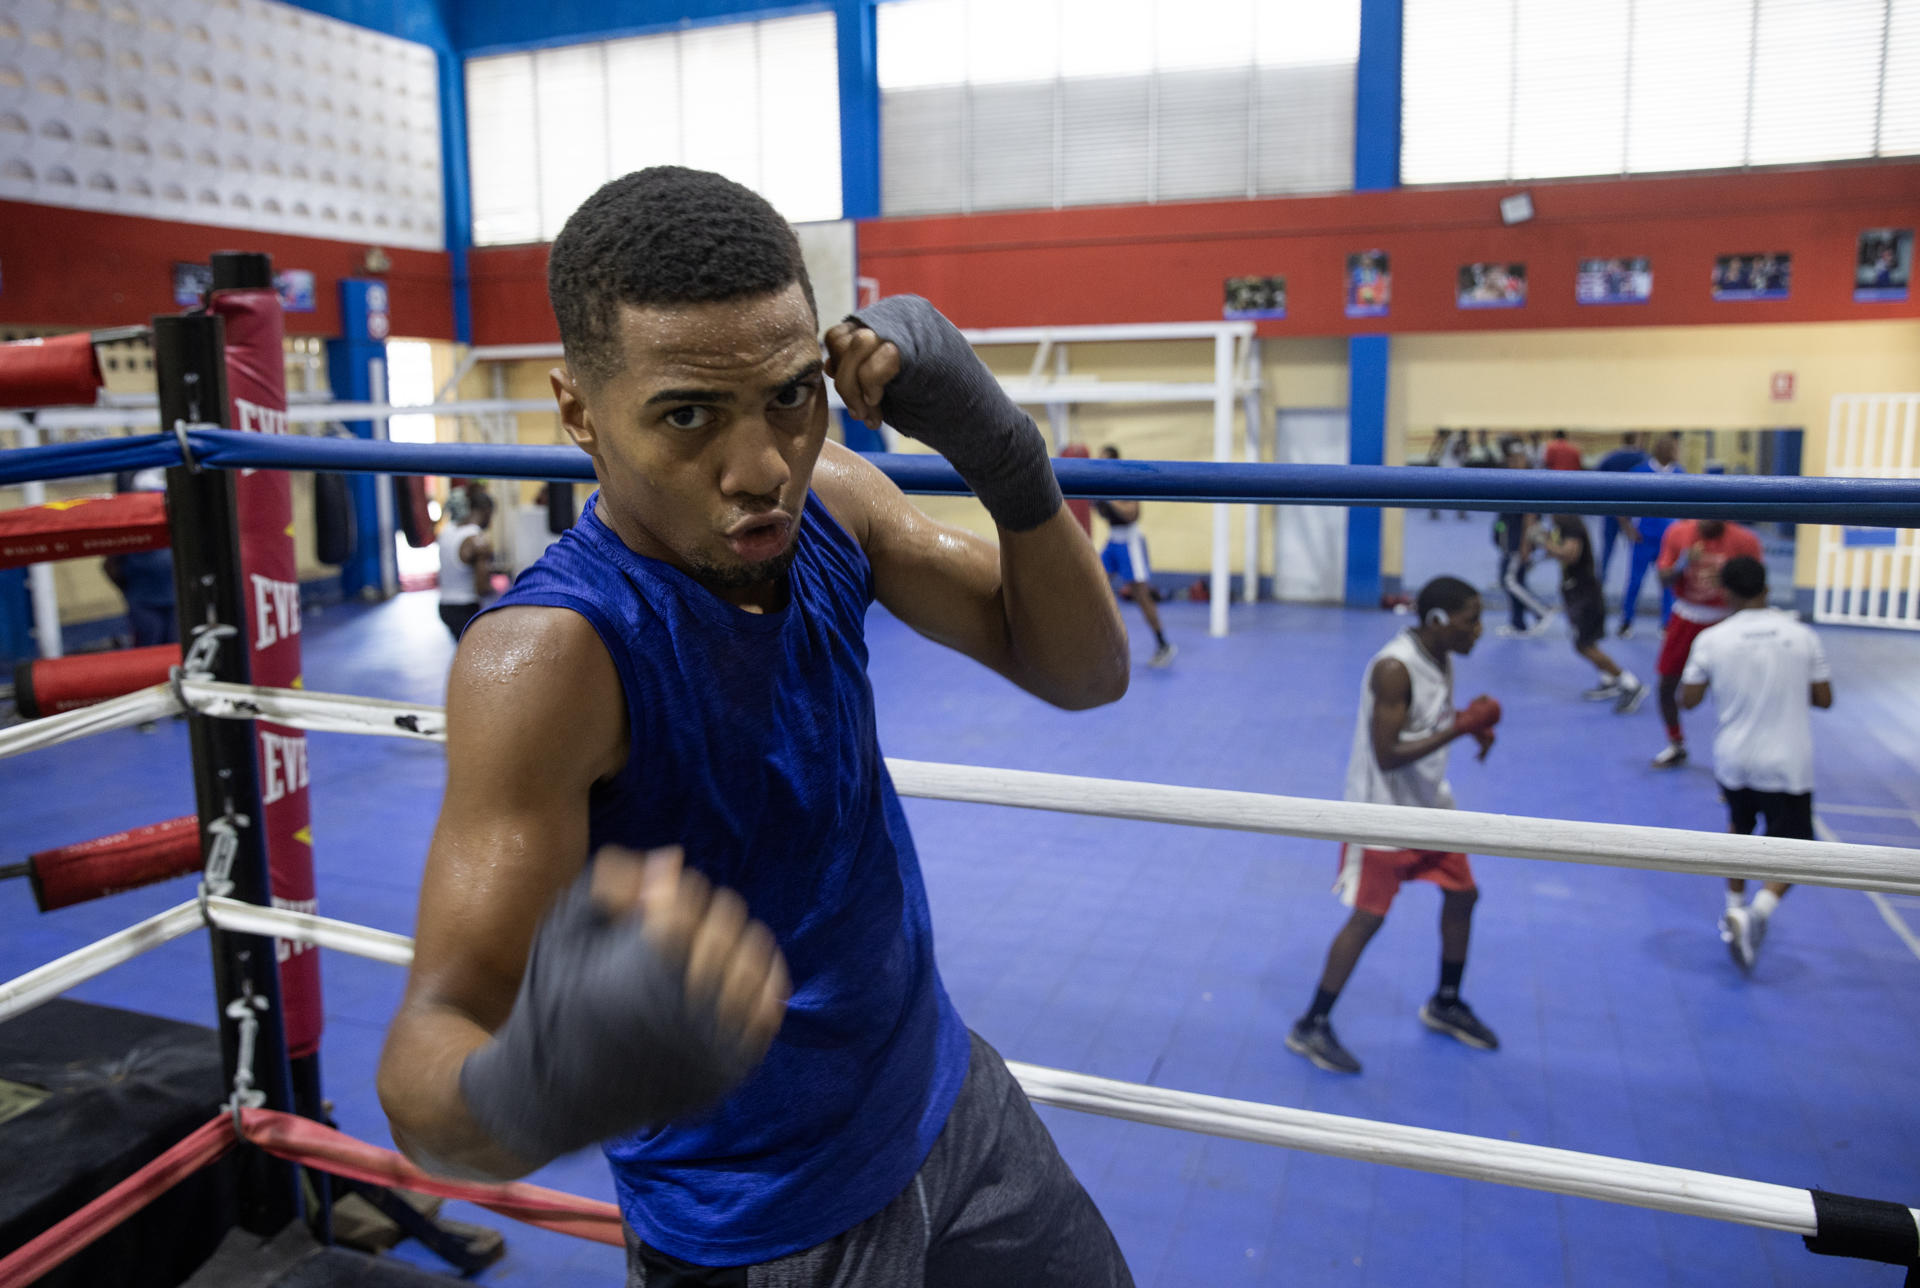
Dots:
{"x": 190, "y": 366}
{"x": 46, "y": 600}
{"x": 1223, "y": 452}
{"x": 383, "y": 488}
{"x": 1251, "y": 515}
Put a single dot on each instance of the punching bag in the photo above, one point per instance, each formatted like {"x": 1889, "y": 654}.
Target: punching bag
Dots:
{"x": 559, "y": 507}
{"x": 243, "y": 295}
{"x": 333, "y": 519}
{"x": 410, "y": 510}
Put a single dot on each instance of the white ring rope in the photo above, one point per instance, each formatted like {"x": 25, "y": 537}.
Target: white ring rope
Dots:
{"x": 24, "y": 992}
{"x": 1477, "y": 1158}
{"x": 1623, "y": 845}
{"x": 1665, "y": 849}
{"x": 318, "y": 712}
{"x": 323, "y": 932}
{"x": 135, "y": 708}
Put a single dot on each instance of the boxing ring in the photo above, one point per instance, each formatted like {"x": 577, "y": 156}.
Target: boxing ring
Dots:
{"x": 213, "y": 688}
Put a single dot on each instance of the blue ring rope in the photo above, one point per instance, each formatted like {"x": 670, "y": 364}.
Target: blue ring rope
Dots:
{"x": 1876, "y": 502}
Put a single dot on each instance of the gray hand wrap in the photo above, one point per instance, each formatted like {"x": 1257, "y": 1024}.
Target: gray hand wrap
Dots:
{"x": 601, "y": 1041}
{"x": 945, "y": 397}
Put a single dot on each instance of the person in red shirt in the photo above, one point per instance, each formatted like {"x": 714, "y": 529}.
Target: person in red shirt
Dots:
{"x": 1691, "y": 556}
{"x": 1561, "y": 454}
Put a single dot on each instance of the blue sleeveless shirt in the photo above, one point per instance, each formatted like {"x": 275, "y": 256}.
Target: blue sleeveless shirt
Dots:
{"x": 754, "y": 747}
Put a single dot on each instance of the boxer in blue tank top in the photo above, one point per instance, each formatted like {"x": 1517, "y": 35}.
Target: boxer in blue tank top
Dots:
{"x": 672, "y": 906}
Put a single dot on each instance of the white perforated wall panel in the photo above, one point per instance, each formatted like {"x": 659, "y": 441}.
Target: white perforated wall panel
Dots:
{"x": 243, "y": 113}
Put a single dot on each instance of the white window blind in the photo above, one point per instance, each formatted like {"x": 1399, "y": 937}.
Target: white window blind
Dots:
{"x": 1497, "y": 90}
{"x": 756, "y": 101}
{"x": 1008, "y": 104}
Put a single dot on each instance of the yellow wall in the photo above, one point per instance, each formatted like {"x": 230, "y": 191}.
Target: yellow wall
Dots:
{"x": 1717, "y": 377}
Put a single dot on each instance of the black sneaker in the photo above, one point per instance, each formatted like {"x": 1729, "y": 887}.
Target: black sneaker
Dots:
{"x": 1314, "y": 1039}
{"x": 1457, "y": 1020}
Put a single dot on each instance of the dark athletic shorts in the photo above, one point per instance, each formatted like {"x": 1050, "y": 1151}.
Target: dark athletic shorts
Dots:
{"x": 1787, "y": 814}
{"x": 1587, "y": 615}
{"x": 993, "y": 1205}
{"x": 456, "y": 616}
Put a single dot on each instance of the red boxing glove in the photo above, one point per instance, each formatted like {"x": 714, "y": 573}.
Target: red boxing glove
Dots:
{"x": 1482, "y": 714}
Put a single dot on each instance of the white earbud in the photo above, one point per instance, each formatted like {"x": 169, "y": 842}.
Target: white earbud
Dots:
{"x": 1438, "y": 617}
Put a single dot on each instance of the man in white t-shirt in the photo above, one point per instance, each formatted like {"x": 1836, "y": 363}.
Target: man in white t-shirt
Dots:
{"x": 466, "y": 559}
{"x": 1767, "y": 671}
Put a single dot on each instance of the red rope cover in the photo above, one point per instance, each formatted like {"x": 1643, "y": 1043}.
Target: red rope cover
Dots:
{"x": 47, "y": 686}
{"x": 91, "y": 525}
{"x": 107, "y": 865}
{"x": 53, "y": 371}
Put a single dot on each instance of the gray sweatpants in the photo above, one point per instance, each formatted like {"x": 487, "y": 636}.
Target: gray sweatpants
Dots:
{"x": 994, "y": 1204}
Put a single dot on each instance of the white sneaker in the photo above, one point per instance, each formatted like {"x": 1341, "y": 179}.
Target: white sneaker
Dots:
{"x": 1507, "y": 632}
{"x": 1672, "y": 757}
{"x": 1736, "y": 932}
{"x": 1163, "y": 656}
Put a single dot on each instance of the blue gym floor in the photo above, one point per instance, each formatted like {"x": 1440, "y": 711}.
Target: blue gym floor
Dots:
{"x": 1179, "y": 957}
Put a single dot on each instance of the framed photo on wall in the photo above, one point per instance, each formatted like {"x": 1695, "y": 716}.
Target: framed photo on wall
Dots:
{"x": 1753, "y": 277}
{"x": 1627, "y": 280}
{"x": 1369, "y": 284}
{"x": 1491, "y": 286}
{"x": 1884, "y": 268}
{"x": 1255, "y": 297}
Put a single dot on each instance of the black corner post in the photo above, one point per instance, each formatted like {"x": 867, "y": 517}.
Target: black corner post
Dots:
{"x": 190, "y": 366}
{"x": 239, "y": 270}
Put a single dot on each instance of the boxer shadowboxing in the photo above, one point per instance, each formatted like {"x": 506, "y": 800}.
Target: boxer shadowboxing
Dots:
{"x": 672, "y": 906}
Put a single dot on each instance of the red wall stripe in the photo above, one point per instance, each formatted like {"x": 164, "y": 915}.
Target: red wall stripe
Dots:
{"x": 84, "y": 268}
{"x": 1160, "y": 263}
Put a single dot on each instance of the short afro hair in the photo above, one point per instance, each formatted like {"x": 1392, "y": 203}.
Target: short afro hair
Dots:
{"x": 1448, "y": 594}
{"x": 664, "y": 235}
{"x": 1745, "y": 576}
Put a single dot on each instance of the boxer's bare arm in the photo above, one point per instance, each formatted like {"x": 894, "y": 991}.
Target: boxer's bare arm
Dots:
{"x": 1036, "y": 609}
{"x": 535, "y": 715}
{"x": 1392, "y": 689}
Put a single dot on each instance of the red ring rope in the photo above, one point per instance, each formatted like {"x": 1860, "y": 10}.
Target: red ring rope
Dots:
{"x": 300, "y": 1140}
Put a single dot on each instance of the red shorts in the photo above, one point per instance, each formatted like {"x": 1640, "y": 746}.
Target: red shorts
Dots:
{"x": 1681, "y": 633}
{"x": 1370, "y": 878}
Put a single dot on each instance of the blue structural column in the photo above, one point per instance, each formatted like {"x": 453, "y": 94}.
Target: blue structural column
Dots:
{"x": 1376, "y": 166}
{"x": 456, "y": 188}
{"x": 859, "y": 145}
{"x": 1367, "y": 358}
{"x": 356, "y": 370}
{"x": 859, "y": 109}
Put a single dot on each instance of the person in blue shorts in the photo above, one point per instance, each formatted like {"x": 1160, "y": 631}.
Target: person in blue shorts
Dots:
{"x": 1644, "y": 535}
{"x": 1125, "y": 559}
{"x": 1621, "y": 459}
{"x": 672, "y": 906}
